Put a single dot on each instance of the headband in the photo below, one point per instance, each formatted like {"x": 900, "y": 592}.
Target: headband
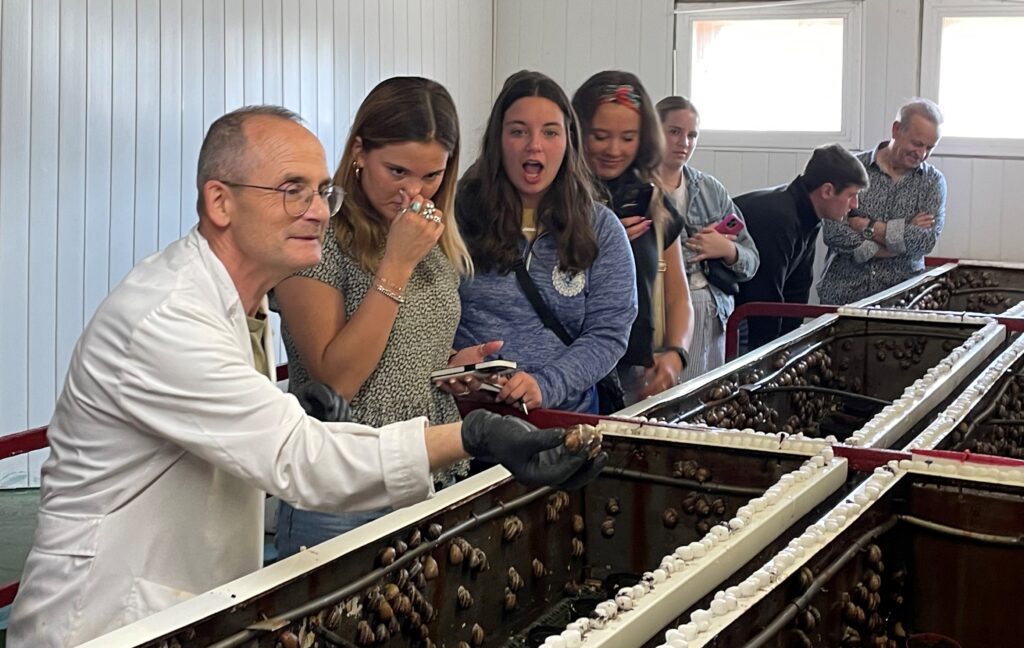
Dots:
{"x": 624, "y": 95}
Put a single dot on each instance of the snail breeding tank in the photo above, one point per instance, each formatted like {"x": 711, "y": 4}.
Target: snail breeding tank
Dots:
{"x": 862, "y": 377}
{"x": 491, "y": 562}
{"x": 912, "y": 558}
{"x": 987, "y": 417}
{"x": 966, "y": 286}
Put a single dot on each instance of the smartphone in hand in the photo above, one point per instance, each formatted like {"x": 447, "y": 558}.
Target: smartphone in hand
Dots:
{"x": 480, "y": 370}
{"x": 731, "y": 224}
{"x": 633, "y": 200}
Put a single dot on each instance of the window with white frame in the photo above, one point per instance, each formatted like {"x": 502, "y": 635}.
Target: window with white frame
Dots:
{"x": 970, "y": 64}
{"x": 778, "y": 76}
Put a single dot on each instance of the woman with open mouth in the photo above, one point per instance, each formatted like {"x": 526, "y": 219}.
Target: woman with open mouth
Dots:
{"x": 540, "y": 242}
{"x": 624, "y": 146}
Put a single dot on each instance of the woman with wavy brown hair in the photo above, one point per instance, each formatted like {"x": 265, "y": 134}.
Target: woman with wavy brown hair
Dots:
{"x": 527, "y": 206}
{"x": 379, "y": 312}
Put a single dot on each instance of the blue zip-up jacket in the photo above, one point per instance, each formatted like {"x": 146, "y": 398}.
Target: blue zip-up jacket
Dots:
{"x": 708, "y": 203}
{"x": 596, "y": 307}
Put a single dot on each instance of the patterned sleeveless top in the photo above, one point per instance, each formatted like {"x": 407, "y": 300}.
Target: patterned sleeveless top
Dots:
{"x": 420, "y": 341}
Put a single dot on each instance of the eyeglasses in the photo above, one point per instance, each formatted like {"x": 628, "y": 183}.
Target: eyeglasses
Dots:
{"x": 298, "y": 197}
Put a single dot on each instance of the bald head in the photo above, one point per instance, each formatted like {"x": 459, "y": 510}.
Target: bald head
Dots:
{"x": 227, "y": 152}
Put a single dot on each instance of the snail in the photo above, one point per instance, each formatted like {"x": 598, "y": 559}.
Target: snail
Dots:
{"x": 434, "y": 531}
{"x": 465, "y": 599}
{"x": 515, "y": 581}
{"x": 430, "y": 568}
{"x": 477, "y": 635}
{"x": 670, "y": 518}
{"x": 387, "y": 556}
{"x": 612, "y": 507}
{"x": 511, "y": 528}
{"x": 577, "y": 548}
{"x": 577, "y": 524}
{"x": 478, "y": 560}
{"x": 510, "y": 599}
{"x": 608, "y": 527}
{"x": 538, "y": 568}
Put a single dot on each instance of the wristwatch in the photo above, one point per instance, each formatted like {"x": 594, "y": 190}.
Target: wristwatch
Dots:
{"x": 869, "y": 231}
{"x": 684, "y": 355}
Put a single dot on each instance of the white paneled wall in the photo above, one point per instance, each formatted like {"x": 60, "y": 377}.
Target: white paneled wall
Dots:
{"x": 103, "y": 106}
{"x": 569, "y": 40}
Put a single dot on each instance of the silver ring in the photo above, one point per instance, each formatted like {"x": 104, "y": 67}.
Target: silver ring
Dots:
{"x": 415, "y": 206}
{"x": 430, "y": 213}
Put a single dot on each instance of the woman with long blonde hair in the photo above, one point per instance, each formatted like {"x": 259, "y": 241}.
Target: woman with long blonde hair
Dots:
{"x": 379, "y": 312}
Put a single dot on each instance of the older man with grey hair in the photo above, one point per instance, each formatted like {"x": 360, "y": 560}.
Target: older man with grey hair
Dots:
{"x": 901, "y": 215}
{"x": 169, "y": 429}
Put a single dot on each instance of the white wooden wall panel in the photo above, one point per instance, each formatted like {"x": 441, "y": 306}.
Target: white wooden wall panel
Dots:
{"x": 569, "y": 40}
{"x": 103, "y": 106}
{"x": 15, "y": 147}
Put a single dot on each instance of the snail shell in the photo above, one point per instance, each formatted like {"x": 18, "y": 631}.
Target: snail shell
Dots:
{"x": 874, "y": 554}
{"x": 670, "y": 518}
{"x": 608, "y": 527}
{"x": 577, "y": 524}
{"x": 364, "y": 634}
{"x": 612, "y": 507}
{"x": 387, "y": 556}
{"x": 391, "y": 592}
{"x": 551, "y": 512}
{"x": 434, "y": 531}
{"x": 477, "y": 635}
{"x": 511, "y": 528}
{"x": 288, "y": 639}
{"x": 538, "y": 568}
{"x": 510, "y": 599}
{"x": 455, "y": 554}
{"x": 577, "y": 547}
{"x": 381, "y": 634}
{"x": 403, "y": 605}
{"x": 515, "y": 581}
{"x": 702, "y": 475}
{"x": 384, "y": 611}
{"x": 465, "y": 599}
{"x": 430, "y": 568}
{"x": 415, "y": 538}
{"x": 478, "y": 560}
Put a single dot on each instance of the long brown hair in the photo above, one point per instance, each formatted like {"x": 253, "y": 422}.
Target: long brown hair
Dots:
{"x": 489, "y": 209}
{"x": 398, "y": 110}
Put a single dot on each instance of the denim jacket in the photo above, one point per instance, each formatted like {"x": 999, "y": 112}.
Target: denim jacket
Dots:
{"x": 708, "y": 203}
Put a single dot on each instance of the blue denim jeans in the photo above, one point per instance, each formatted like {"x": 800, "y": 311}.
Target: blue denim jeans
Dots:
{"x": 297, "y": 528}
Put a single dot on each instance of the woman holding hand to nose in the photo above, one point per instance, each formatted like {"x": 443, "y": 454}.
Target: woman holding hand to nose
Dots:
{"x": 379, "y": 312}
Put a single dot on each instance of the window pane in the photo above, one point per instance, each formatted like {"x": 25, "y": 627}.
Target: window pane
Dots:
{"x": 974, "y": 102}
{"x": 769, "y": 75}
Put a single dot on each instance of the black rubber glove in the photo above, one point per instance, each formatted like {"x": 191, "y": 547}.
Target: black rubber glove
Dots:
{"x": 323, "y": 403}
{"x": 534, "y": 457}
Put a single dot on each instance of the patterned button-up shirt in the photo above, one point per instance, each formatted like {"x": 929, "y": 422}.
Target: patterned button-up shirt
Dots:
{"x": 851, "y": 270}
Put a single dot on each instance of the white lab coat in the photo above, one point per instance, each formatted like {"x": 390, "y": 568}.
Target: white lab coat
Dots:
{"x": 162, "y": 445}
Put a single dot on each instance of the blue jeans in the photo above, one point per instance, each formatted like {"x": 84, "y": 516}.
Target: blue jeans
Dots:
{"x": 297, "y": 528}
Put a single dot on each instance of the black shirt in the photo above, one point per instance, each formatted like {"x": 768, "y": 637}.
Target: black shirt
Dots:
{"x": 784, "y": 226}
{"x": 640, "y": 350}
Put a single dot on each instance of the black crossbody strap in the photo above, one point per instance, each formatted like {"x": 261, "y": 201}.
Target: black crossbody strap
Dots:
{"x": 538, "y": 303}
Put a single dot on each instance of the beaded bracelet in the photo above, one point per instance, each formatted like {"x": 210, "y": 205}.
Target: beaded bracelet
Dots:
{"x": 390, "y": 290}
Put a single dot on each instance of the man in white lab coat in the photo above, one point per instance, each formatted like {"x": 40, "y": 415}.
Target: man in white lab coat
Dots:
{"x": 168, "y": 430}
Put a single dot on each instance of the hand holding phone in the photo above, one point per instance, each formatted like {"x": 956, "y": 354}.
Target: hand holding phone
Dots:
{"x": 731, "y": 224}
{"x": 482, "y": 371}
{"x": 633, "y": 200}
